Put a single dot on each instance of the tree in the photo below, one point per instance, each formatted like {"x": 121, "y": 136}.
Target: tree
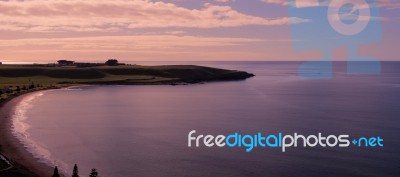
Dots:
{"x": 55, "y": 174}
{"x": 32, "y": 86}
{"x": 112, "y": 62}
{"x": 75, "y": 172}
{"x": 94, "y": 173}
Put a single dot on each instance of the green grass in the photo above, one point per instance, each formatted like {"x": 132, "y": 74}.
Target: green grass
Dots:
{"x": 19, "y": 75}
{"x": 13, "y": 77}
{"x": 45, "y": 80}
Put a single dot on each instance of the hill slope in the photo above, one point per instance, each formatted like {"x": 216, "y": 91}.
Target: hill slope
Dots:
{"x": 124, "y": 75}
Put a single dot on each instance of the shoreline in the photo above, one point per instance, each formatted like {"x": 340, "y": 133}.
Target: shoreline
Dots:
{"x": 15, "y": 150}
{"x": 22, "y": 81}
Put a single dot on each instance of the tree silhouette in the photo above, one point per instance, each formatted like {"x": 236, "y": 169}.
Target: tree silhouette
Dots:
{"x": 112, "y": 62}
{"x": 32, "y": 86}
{"x": 94, "y": 173}
{"x": 75, "y": 172}
{"x": 55, "y": 174}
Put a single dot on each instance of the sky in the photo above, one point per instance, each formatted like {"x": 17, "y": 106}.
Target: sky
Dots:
{"x": 171, "y": 30}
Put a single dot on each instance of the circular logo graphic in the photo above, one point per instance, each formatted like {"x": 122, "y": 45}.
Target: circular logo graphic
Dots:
{"x": 357, "y": 11}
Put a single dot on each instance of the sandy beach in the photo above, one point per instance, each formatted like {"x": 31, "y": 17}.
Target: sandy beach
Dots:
{"x": 12, "y": 147}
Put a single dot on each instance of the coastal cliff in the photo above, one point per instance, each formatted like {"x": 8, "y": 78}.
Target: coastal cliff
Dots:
{"x": 122, "y": 75}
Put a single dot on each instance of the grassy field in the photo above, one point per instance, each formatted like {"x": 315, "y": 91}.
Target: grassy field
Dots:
{"x": 46, "y": 80}
{"x": 14, "y": 75}
{"x": 20, "y": 75}
{"x": 21, "y": 78}
{"x": 17, "y": 79}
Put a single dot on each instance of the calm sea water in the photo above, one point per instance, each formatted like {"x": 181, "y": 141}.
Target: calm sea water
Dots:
{"x": 127, "y": 131}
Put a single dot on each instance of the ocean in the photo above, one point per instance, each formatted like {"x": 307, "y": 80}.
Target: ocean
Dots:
{"x": 127, "y": 131}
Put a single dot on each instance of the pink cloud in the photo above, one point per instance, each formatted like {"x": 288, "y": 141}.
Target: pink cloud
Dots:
{"x": 140, "y": 47}
{"x": 389, "y": 4}
{"x": 103, "y": 15}
{"x": 125, "y": 43}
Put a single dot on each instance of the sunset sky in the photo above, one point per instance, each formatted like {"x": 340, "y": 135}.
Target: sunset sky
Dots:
{"x": 169, "y": 30}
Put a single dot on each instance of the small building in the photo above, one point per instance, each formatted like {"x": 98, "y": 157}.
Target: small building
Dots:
{"x": 65, "y": 63}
